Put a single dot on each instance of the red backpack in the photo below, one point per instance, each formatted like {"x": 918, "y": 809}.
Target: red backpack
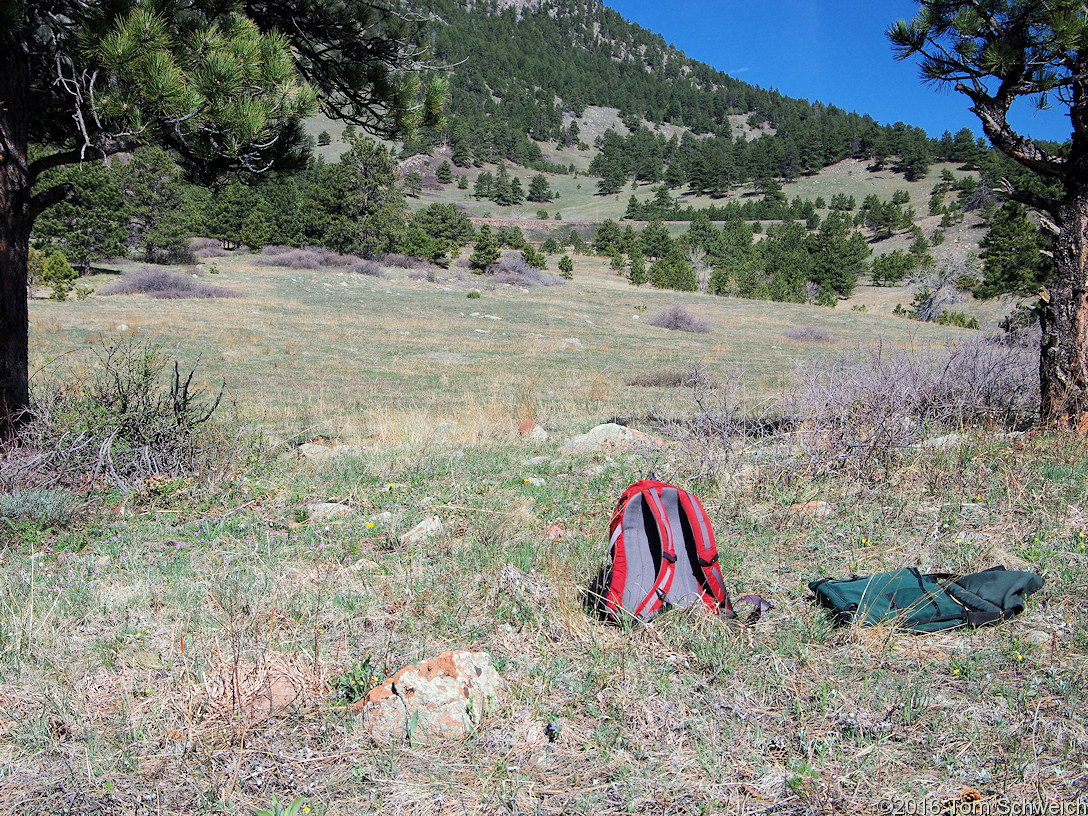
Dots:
{"x": 662, "y": 553}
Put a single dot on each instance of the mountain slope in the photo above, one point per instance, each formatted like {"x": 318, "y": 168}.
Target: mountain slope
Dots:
{"x": 523, "y": 70}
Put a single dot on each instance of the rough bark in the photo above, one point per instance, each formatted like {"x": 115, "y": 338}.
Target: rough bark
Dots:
{"x": 1063, "y": 315}
{"x": 15, "y": 223}
{"x": 1063, "y": 308}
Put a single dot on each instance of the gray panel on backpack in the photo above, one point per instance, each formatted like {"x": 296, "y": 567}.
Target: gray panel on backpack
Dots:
{"x": 641, "y": 573}
{"x": 685, "y": 590}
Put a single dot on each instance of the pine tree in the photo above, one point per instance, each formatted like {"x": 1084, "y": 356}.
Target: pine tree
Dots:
{"x": 484, "y": 186}
{"x": 356, "y": 205}
{"x": 153, "y": 186}
{"x": 445, "y": 223}
{"x": 1011, "y": 256}
{"x": 443, "y": 173}
{"x": 486, "y": 251}
{"x": 534, "y": 258}
{"x": 608, "y": 237}
{"x": 500, "y": 192}
{"x": 93, "y": 224}
{"x": 539, "y": 190}
{"x": 58, "y": 275}
{"x": 517, "y": 194}
{"x": 226, "y": 215}
{"x": 892, "y": 267}
{"x": 566, "y": 267}
{"x": 222, "y": 90}
{"x": 998, "y": 53}
{"x": 655, "y": 241}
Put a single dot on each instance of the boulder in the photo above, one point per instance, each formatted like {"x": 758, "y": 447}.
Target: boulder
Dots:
{"x": 437, "y": 700}
{"x": 611, "y": 436}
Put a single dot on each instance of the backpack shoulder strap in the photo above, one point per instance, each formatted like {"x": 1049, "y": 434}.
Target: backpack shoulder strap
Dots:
{"x": 993, "y": 595}
{"x": 707, "y": 570}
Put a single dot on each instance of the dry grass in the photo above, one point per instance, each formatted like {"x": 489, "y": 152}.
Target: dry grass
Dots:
{"x": 176, "y": 649}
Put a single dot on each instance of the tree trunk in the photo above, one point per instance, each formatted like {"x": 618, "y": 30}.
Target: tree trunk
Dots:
{"x": 15, "y": 222}
{"x": 1063, "y": 315}
{"x": 1063, "y": 308}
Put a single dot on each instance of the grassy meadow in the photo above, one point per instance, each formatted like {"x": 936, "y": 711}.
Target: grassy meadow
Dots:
{"x": 182, "y": 648}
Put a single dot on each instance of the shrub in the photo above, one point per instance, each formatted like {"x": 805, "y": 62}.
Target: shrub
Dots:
{"x": 58, "y": 274}
{"x": 513, "y": 269}
{"x": 671, "y": 378}
{"x": 40, "y": 506}
{"x": 371, "y": 268}
{"x": 124, "y": 423}
{"x": 810, "y": 333}
{"x": 473, "y": 294}
{"x": 312, "y": 258}
{"x": 678, "y": 318}
{"x": 398, "y": 260}
{"x": 864, "y": 406}
{"x": 159, "y": 283}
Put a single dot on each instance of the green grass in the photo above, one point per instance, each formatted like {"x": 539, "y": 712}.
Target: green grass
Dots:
{"x": 136, "y": 635}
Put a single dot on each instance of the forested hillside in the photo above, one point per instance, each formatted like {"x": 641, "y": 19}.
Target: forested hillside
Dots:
{"x": 522, "y": 73}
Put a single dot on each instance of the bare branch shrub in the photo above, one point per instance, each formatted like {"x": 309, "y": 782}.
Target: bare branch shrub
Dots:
{"x": 937, "y": 289}
{"x": 672, "y": 378}
{"x": 311, "y": 258}
{"x": 858, "y": 410}
{"x": 123, "y": 423}
{"x": 370, "y": 268}
{"x": 703, "y": 270}
{"x": 207, "y": 248}
{"x": 678, "y": 318}
{"x": 717, "y": 427}
{"x": 810, "y": 333}
{"x": 512, "y": 269}
{"x": 156, "y": 282}
{"x": 397, "y": 260}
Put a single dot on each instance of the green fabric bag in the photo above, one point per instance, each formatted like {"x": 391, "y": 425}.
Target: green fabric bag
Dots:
{"x": 927, "y": 603}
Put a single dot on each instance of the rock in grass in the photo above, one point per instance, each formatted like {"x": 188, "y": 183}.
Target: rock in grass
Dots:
{"x": 320, "y": 512}
{"x": 817, "y": 508}
{"x": 611, "y": 436}
{"x": 946, "y": 442}
{"x": 437, "y": 700}
{"x": 430, "y": 526}
{"x": 530, "y": 430}
{"x": 318, "y": 451}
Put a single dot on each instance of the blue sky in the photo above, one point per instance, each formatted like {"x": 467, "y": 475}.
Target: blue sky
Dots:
{"x": 833, "y": 52}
